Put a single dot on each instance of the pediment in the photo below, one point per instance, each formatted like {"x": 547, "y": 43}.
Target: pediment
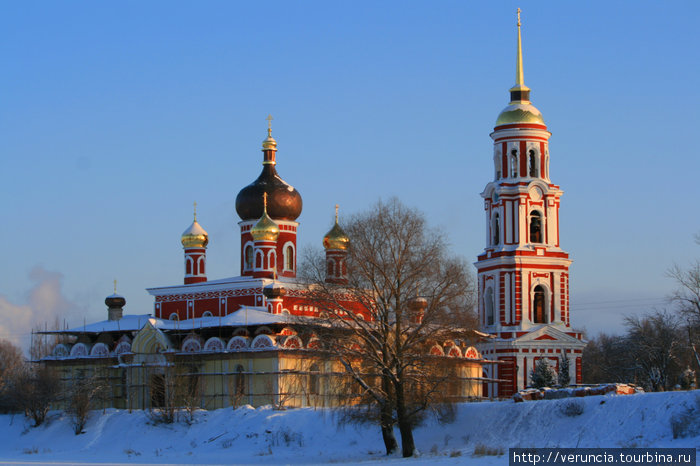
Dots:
{"x": 549, "y": 333}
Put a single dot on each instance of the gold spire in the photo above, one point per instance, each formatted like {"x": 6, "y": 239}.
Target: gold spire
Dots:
{"x": 269, "y": 143}
{"x": 519, "y": 92}
{"x": 115, "y": 286}
{"x": 195, "y": 211}
{"x": 266, "y": 229}
{"x": 336, "y": 237}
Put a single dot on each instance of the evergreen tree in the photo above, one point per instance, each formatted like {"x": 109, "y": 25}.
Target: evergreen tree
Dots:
{"x": 564, "y": 379}
{"x": 542, "y": 375}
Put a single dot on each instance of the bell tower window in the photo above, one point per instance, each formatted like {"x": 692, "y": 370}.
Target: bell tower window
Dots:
{"x": 488, "y": 306}
{"x": 532, "y": 160}
{"x": 535, "y": 227}
{"x": 514, "y": 164}
{"x": 496, "y": 229}
{"x": 538, "y": 305}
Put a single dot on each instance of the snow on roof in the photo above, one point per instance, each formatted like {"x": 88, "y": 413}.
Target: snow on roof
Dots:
{"x": 242, "y": 317}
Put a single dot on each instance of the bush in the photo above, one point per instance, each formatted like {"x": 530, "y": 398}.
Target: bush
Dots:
{"x": 571, "y": 408}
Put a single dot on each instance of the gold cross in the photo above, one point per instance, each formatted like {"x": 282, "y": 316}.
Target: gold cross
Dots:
{"x": 518, "y": 17}
{"x": 336, "y": 213}
{"x": 115, "y": 286}
{"x": 195, "y": 211}
{"x": 269, "y": 122}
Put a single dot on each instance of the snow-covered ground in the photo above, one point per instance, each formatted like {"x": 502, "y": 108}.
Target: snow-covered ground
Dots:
{"x": 308, "y": 436}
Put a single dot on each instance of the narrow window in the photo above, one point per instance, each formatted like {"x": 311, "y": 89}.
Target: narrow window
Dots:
{"x": 533, "y": 164}
{"x": 201, "y": 265}
{"x": 289, "y": 257}
{"x": 495, "y": 229}
{"x": 329, "y": 268}
{"x": 188, "y": 266}
{"x": 258, "y": 260}
{"x": 538, "y": 305}
{"x": 488, "y": 304}
{"x": 249, "y": 257}
{"x": 535, "y": 227}
{"x": 514, "y": 164}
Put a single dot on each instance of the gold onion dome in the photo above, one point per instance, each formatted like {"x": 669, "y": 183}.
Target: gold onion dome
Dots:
{"x": 336, "y": 237}
{"x": 266, "y": 229}
{"x": 520, "y": 109}
{"x": 195, "y": 236}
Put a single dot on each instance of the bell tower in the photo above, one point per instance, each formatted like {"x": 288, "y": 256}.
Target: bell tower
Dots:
{"x": 523, "y": 274}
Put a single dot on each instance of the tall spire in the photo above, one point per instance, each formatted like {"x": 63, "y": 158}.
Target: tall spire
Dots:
{"x": 269, "y": 144}
{"x": 520, "y": 92}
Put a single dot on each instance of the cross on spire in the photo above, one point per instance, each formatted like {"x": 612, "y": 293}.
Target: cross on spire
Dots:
{"x": 265, "y": 202}
{"x": 336, "y": 213}
{"x": 269, "y": 124}
{"x": 115, "y": 286}
{"x": 195, "y": 211}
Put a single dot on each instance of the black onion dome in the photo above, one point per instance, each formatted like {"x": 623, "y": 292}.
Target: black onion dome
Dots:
{"x": 115, "y": 300}
{"x": 283, "y": 201}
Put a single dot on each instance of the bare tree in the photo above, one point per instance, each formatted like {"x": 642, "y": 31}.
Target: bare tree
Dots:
{"x": 606, "y": 359}
{"x": 11, "y": 364}
{"x": 403, "y": 294}
{"x": 34, "y": 390}
{"x": 82, "y": 397}
{"x": 656, "y": 342}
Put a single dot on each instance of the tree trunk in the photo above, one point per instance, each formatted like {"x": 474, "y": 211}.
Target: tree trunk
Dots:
{"x": 387, "y": 421}
{"x": 408, "y": 446}
{"x": 388, "y": 435}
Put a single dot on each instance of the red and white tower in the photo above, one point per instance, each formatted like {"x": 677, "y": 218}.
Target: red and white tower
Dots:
{"x": 283, "y": 206}
{"x": 336, "y": 245}
{"x": 523, "y": 274}
{"x": 194, "y": 241}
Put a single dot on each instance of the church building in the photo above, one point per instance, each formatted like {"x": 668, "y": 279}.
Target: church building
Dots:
{"x": 523, "y": 273}
{"x": 247, "y": 339}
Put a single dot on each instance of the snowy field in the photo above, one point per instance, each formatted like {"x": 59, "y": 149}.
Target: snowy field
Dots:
{"x": 308, "y": 436}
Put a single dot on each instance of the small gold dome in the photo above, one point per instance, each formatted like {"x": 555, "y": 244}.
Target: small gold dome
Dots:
{"x": 520, "y": 112}
{"x": 269, "y": 143}
{"x": 336, "y": 237}
{"x": 266, "y": 229}
{"x": 195, "y": 236}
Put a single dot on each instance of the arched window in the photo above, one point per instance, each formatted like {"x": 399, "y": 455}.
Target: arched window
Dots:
{"x": 174, "y": 316}
{"x": 248, "y": 257}
{"x": 535, "y": 227}
{"x": 314, "y": 380}
{"x": 289, "y": 257}
{"x": 538, "y": 304}
{"x": 207, "y": 314}
{"x": 532, "y": 159}
{"x": 258, "y": 260}
{"x": 495, "y": 229}
{"x": 514, "y": 163}
{"x": 272, "y": 260}
{"x": 239, "y": 383}
{"x": 329, "y": 268}
{"x": 201, "y": 265}
{"x": 488, "y": 306}
{"x": 188, "y": 266}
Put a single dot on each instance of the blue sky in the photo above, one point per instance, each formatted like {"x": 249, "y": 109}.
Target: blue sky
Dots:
{"x": 116, "y": 116}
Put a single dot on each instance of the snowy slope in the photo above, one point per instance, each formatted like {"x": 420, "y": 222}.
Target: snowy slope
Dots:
{"x": 307, "y": 436}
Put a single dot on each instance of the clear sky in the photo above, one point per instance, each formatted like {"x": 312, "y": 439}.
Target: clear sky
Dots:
{"x": 116, "y": 116}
